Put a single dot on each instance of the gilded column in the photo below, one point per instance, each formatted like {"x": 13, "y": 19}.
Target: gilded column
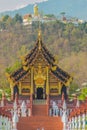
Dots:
{"x": 59, "y": 85}
{"x": 32, "y": 89}
{"x": 47, "y": 81}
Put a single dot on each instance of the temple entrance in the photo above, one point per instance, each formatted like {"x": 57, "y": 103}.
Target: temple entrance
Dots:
{"x": 15, "y": 92}
{"x": 40, "y": 93}
{"x": 64, "y": 91}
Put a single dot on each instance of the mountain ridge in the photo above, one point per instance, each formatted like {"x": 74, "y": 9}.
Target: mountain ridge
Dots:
{"x": 71, "y": 8}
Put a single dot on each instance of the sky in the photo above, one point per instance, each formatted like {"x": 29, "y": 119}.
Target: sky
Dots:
{"x": 6, "y": 5}
{"x": 76, "y": 8}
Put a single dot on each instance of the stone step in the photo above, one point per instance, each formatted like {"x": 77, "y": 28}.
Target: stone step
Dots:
{"x": 39, "y": 102}
{"x": 39, "y": 110}
{"x": 35, "y": 122}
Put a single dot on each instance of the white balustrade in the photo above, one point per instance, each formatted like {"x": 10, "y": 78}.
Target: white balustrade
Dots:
{"x": 83, "y": 121}
{"x": 86, "y": 120}
{"x": 79, "y": 122}
{"x": 14, "y": 121}
{"x": 76, "y": 124}
{"x": 0, "y": 122}
{"x": 23, "y": 109}
{"x": 54, "y": 110}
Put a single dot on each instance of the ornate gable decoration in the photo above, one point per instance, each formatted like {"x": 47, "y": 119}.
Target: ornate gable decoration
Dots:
{"x": 40, "y": 55}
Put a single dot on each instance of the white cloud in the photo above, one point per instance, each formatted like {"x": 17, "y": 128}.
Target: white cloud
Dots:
{"x": 20, "y": 6}
{"x": 15, "y": 4}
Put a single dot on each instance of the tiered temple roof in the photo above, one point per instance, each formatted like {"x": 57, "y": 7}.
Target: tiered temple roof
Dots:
{"x": 29, "y": 59}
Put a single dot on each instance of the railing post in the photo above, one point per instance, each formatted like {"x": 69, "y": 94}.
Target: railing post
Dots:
{"x": 0, "y": 122}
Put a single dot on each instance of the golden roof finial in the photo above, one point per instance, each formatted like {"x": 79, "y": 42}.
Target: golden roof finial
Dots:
{"x": 39, "y": 34}
{"x": 39, "y": 31}
{"x": 39, "y": 39}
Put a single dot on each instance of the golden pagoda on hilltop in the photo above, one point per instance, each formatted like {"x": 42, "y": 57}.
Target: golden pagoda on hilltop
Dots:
{"x": 36, "y": 11}
{"x": 39, "y": 76}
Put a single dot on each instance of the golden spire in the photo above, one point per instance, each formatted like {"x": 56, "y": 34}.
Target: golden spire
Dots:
{"x": 39, "y": 38}
{"x": 39, "y": 30}
{"x": 39, "y": 34}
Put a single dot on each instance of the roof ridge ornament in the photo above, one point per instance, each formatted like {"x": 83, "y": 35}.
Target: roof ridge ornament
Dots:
{"x": 39, "y": 38}
{"x": 39, "y": 34}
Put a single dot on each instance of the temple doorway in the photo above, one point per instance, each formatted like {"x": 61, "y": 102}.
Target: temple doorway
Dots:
{"x": 39, "y": 93}
{"x": 15, "y": 92}
{"x": 64, "y": 91}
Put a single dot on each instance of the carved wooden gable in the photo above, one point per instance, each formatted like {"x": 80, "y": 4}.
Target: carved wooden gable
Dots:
{"x": 40, "y": 59}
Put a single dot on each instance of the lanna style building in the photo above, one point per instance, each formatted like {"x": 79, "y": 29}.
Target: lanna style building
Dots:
{"x": 39, "y": 76}
{"x": 38, "y": 92}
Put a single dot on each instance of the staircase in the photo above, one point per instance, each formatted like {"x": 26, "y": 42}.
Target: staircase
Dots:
{"x": 39, "y": 119}
{"x": 39, "y": 110}
{"x": 35, "y": 122}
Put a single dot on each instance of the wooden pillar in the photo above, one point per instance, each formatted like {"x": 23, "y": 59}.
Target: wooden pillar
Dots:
{"x": 31, "y": 104}
{"x": 35, "y": 92}
{"x": 47, "y": 81}
{"x": 59, "y": 85}
{"x": 12, "y": 91}
{"x": 47, "y": 90}
{"x": 32, "y": 89}
{"x": 20, "y": 88}
{"x": 32, "y": 78}
{"x": 43, "y": 93}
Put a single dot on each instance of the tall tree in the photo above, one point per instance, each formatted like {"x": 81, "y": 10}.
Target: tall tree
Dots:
{"x": 17, "y": 19}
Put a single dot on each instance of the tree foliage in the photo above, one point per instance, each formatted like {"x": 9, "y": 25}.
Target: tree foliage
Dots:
{"x": 16, "y": 66}
{"x": 17, "y": 19}
{"x": 67, "y": 41}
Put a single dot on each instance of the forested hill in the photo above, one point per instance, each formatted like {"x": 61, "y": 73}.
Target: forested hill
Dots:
{"x": 67, "y": 42}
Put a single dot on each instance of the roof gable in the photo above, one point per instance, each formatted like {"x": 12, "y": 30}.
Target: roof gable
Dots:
{"x": 40, "y": 55}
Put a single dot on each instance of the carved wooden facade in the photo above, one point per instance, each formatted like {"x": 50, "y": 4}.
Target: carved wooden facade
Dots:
{"x": 38, "y": 74}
